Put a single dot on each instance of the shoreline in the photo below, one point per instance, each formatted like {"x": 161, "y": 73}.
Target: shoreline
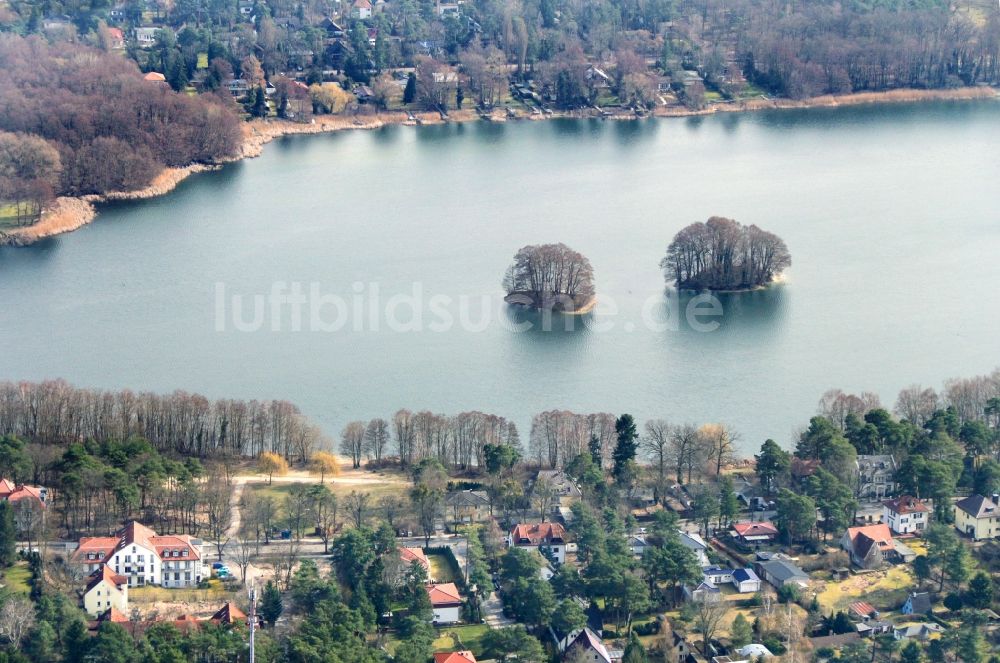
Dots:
{"x": 68, "y": 213}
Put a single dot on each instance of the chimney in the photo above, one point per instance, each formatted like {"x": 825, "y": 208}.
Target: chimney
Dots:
{"x": 996, "y": 498}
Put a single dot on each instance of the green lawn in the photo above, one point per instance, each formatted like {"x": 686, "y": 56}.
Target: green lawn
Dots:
{"x": 469, "y": 637}
{"x": 16, "y": 578}
{"x": 441, "y": 570}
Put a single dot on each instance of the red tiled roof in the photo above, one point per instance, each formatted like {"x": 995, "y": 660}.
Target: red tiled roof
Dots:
{"x": 229, "y": 614}
{"x": 7, "y": 487}
{"x": 134, "y": 533}
{"x": 454, "y": 657}
{"x": 536, "y": 533}
{"x": 444, "y": 594}
{"x": 409, "y": 555}
{"x": 803, "y": 467}
{"x": 862, "y": 609}
{"x": 112, "y": 615}
{"x": 105, "y": 574}
{"x": 155, "y": 77}
{"x": 755, "y": 529}
{"x": 905, "y": 504}
{"x": 863, "y": 538}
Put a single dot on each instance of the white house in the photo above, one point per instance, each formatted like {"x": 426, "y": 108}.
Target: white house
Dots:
{"x": 143, "y": 556}
{"x": 697, "y": 545}
{"x": 446, "y": 602}
{"x": 547, "y": 536}
{"x": 876, "y": 476}
{"x": 105, "y": 590}
{"x": 637, "y": 544}
{"x": 704, "y": 592}
{"x": 362, "y": 9}
{"x": 718, "y": 576}
{"x": 978, "y": 516}
{"x": 905, "y": 514}
{"x": 746, "y": 581}
{"x": 146, "y": 37}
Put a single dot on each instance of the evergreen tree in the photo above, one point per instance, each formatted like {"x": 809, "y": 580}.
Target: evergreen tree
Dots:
{"x": 634, "y": 651}
{"x": 773, "y": 463}
{"x": 626, "y": 445}
{"x": 910, "y": 653}
{"x": 410, "y": 91}
{"x": 8, "y": 535}
{"x": 260, "y": 103}
{"x": 270, "y": 603}
{"x": 979, "y": 595}
{"x": 740, "y": 632}
{"x": 729, "y": 504}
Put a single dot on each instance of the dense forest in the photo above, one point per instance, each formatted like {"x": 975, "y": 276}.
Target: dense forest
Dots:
{"x": 76, "y": 120}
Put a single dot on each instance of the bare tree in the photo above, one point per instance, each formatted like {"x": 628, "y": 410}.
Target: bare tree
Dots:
{"x": 719, "y": 442}
{"x": 357, "y": 505}
{"x": 244, "y": 553}
{"x": 217, "y": 497}
{"x": 392, "y": 508}
{"x": 707, "y": 620}
{"x": 686, "y": 453}
{"x": 550, "y": 277}
{"x": 376, "y": 439}
{"x": 324, "y": 509}
{"x": 656, "y": 444}
{"x": 352, "y": 442}
{"x": 541, "y": 495}
{"x": 916, "y": 404}
{"x": 17, "y": 616}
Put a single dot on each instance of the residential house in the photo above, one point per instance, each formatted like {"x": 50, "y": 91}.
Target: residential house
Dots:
{"x": 564, "y": 489}
{"x": 704, "y": 592}
{"x": 834, "y": 641}
{"x": 116, "y": 39}
{"x": 15, "y": 492}
{"x": 754, "y": 533}
{"x": 868, "y": 621}
{"x": 597, "y": 77}
{"x": 905, "y": 514}
{"x": 143, "y": 556}
{"x": 410, "y": 555}
{"x": 447, "y": 9}
{"x": 917, "y": 631}
{"x": 464, "y": 506}
{"x": 978, "y": 517}
{"x": 876, "y": 476}
{"x": 362, "y": 9}
{"x": 229, "y": 614}
{"x": 145, "y": 37}
{"x": 105, "y": 590}
{"x": 155, "y": 77}
{"x": 245, "y": 7}
{"x": 238, "y": 87}
{"x": 917, "y": 603}
{"x": 332, "y": 28}
{"x": 781, "y": 572}
{"x": 872, "y": 545}
{"x": 588, "y": 647}
{"x": 637, "y": 544}
{"x": 697, "y": 544}
{"x": 803, "y": 468}
{"x": 446, "y": 602}
{"x": 547, "y": 536}
{"x": 454, "y": 657}
{"x": 746, "y": 581}
{"x": 718, "y": 576}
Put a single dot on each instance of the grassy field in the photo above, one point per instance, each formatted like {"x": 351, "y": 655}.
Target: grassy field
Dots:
{"x": 279, "y": 490}
{"x": 885, "y": 589}
{"x": 441, "y": 570}
{"x": 16, "y": 578}
{"x": 216, "y": 591}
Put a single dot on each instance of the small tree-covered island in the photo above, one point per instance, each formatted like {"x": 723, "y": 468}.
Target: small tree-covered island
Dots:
{"x": 550, "y": 277}
{"x": 721, "y": 254}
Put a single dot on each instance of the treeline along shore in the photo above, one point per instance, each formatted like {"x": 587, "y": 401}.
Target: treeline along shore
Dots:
{"x": 67, "y": 213}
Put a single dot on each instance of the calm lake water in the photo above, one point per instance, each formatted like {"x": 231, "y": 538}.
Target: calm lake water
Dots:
{"x": 890, "y": 212}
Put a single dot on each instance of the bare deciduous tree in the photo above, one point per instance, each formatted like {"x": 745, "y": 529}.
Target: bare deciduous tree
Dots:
{"x": 550, "y": 277}
{"x": 352, "y": 442}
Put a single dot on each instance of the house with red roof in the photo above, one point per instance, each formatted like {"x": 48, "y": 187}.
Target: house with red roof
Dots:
{"x": 905, "y": 514}
{"x": 105, "y": 590}
{"x": 454, "y": 657}
{"x": 872, "y": 546}
{"x": 751, "y": 533}
{"x": 15, "y": 492}
{"x": 143, "y": 556}
{"x": 446, "y": 601}
{"x": 410, "y": 555}
{"x": 550, "y": 536}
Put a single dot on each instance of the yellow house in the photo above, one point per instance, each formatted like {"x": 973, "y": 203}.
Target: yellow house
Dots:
{"x": 106, "y": 590}
{"x": 978, "y": 517}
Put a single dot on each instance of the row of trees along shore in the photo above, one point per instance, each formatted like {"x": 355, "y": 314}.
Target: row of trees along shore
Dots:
{"x": 54, "y": 413}
{"x": 75, "y": 120}
{"x": 719, "y": 254}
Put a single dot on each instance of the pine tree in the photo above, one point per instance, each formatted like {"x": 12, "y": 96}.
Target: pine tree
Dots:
{"x": 626, "y": 445}
{"x": 410, "y": 92}
{"x": 740, "y": 632}
{"x": 270, "y": 603}
{"x": 8, "y": 535}
{"x": 260, "y": 103}
{"x": 634, "y": 651}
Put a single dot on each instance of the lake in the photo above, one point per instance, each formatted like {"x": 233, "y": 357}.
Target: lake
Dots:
{"x": 890, "y": 213}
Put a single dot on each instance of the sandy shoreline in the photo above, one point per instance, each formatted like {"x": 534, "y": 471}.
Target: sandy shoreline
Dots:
{"x": 66, "y": 214}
